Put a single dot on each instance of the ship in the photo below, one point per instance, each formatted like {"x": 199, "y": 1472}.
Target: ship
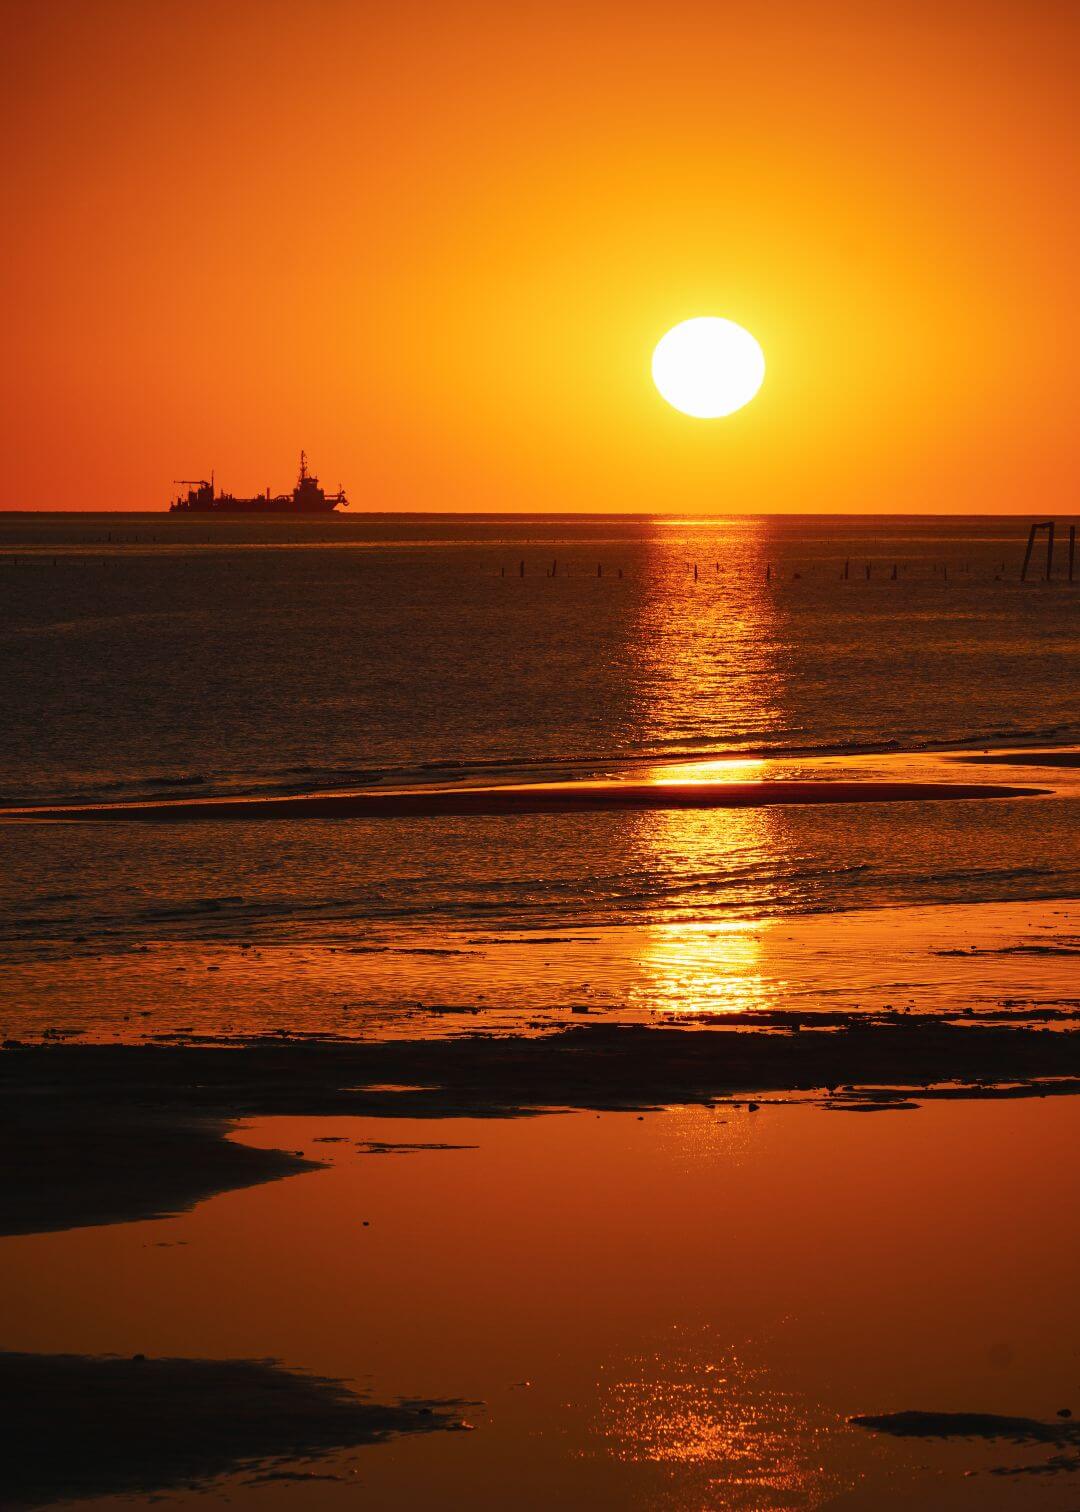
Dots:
{"x": 306, "y": 498}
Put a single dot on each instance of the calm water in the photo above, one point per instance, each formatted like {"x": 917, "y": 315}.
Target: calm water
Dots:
{"x": 147, "y": 655}
{"x": 677, "y": 1313}
{"x": 280, "y": 655}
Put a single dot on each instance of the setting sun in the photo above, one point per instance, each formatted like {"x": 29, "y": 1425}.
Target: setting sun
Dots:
{"x": 708, "y": 367}
{"x": 420, "y": 718}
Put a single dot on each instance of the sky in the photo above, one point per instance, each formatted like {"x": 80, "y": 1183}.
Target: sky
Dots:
{"x": 434, "y": 242}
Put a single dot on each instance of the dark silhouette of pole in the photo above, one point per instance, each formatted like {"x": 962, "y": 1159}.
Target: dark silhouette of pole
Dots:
{"x": 1027, "y": 553}
{"x": 1047, "y": 525}
{"x": 1072, "y": 550}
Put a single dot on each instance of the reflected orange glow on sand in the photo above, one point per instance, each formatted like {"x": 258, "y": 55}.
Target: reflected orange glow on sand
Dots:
{"x": 727, "y": 769}
{"x": 705, "y": 969}
{"x": 688, "y": 964}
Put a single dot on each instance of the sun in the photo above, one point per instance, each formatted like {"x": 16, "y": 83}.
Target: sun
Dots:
{"x": 708, "y": 367}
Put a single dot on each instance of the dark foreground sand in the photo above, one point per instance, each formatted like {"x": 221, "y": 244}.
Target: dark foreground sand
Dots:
{"x": 139, "y": 1426}
{"x": 112, "y": 1133}
{"x": 540, "y": 798}
{"x": 1060, "y": 1435}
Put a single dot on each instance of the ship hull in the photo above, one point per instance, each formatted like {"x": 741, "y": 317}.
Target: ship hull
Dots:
{"x": 254, "y": 506}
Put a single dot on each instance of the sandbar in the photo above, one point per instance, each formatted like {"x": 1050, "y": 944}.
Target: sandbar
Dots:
{"x": 526, "y": 798}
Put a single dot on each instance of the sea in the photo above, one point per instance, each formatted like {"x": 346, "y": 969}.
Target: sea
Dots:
{"x": 145, "y": 655}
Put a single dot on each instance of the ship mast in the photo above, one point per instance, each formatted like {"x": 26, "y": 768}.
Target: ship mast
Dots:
{"x": 303, "y": 465}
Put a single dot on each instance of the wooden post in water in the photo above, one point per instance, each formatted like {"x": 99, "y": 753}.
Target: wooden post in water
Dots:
{"x": 555, "y": 567}
{"x": 894, "y": 572}
{"x": 868, "y": 572}
{"x": 695, "y": 572}
{"x": 599, "y": 569}
{"x": 768, "y": 572}
{"x": 1028, "y": 551}
{"x": 521, "y": 569}
{"x": 847, "y": 568}
{"x": 1047, "y": 525}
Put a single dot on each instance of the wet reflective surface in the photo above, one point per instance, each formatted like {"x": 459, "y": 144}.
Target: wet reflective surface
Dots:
{"x": 990, "y": 958}
{"x": 677, "y": 1311}
{"x": 361, "y": 927}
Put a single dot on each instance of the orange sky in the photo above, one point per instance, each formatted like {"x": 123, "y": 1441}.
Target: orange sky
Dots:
{"x": 435, "y": 241}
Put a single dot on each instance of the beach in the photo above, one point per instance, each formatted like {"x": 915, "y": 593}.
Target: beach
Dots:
{"x": 539, "y": 757}
{"x": 673, "y": 1114}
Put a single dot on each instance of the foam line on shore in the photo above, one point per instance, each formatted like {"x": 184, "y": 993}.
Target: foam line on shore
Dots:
{"x": 538, "y": 798}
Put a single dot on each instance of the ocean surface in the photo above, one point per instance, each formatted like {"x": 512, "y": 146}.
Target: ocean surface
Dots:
{"x": 149, "y": 654}
{"x": 144, "y": 655}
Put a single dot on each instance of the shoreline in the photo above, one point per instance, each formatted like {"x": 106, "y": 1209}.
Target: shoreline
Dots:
{"x": 220, "y": 976}
{"x": 101, "y": 1134}
{"x": 147, "y": 1426}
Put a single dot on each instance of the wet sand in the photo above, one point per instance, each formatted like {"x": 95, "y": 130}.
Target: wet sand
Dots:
{"x": 411, "y": 981}
{"x": 124, "y": 1145}
{"x": 63, "y": 1170}
{"x": 539, "y": 798}
{"x": 84, "y": 1426}
{"x": 100, "y": 1134}
{"x": 1063, "y": 758}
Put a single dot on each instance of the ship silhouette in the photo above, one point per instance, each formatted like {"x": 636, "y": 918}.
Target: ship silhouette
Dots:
{"x": 306, "y": 498}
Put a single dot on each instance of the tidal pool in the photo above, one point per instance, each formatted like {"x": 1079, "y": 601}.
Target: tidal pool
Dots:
{"x": 680, "y": 1310}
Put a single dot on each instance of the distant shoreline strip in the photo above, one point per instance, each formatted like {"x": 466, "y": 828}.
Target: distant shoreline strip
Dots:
{"x": 545, "y": 798}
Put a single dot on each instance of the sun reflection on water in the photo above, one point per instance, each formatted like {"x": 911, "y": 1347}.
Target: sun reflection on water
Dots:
{"x": 709, "y": 668}
{"x": 746, "y": 1442}
{"x": 703, "y": 968}
{"x": 696, "y": 958}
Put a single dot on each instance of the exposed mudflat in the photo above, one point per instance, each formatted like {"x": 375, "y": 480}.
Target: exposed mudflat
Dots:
{"x": 108, "y": 1133}
{"x": 1045, "y": 758}
{"x": 112, "y": 1165}
{"x": 79, "y": 1426}
{"x": 538, "y": 798}
{"x": 1059, "y": 1439}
